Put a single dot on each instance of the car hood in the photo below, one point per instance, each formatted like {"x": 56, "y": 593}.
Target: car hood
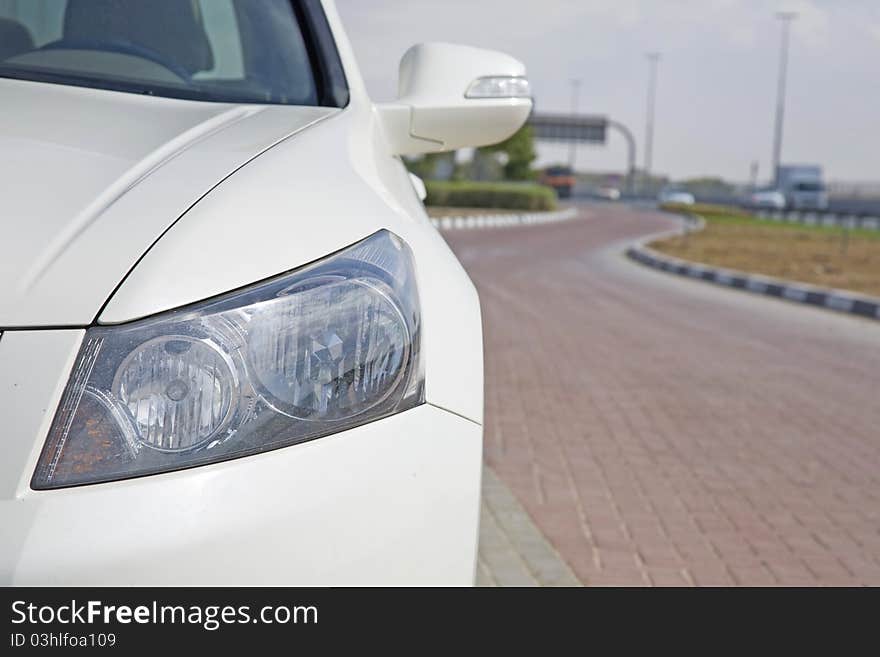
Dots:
{"x": 91, "y": 179}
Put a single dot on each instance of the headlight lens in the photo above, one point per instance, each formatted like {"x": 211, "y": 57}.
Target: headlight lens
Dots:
{"x": 326, "y": 348}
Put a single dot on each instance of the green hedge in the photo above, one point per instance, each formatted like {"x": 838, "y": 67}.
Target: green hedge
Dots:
{"x": 505, "y": 196}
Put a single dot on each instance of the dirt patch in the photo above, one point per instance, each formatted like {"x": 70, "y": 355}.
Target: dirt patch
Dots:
{"x": 823, "y": 257}
{"x": 438, "y": 212}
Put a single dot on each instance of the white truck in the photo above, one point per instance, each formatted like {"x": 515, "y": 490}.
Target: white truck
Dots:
{"x": 802, "y": 186}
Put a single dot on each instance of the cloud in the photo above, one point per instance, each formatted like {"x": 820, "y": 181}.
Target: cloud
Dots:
{"x": 742, "y": 36}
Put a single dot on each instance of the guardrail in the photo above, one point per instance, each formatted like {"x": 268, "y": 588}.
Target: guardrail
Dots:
{"x": 835, "y": 218}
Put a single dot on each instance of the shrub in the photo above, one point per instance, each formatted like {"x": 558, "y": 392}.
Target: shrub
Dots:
{"x": 506, "y": 196}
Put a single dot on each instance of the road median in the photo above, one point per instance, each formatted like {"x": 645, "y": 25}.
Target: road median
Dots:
{"x": 711, "y": 243}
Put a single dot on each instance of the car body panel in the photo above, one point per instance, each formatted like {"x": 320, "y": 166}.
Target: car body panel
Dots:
{"x": 362, "y": 506}
{"x": 264, "y": 208}
{"x": 214, "y": 198}
{"x": 118, "y": 170}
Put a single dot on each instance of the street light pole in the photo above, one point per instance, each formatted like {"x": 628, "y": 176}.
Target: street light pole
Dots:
{"x": 575, "y": 93}
{"x": 786, "y": 17}
{"x": 653, "y": 60}
{"x": 630, "y": 154}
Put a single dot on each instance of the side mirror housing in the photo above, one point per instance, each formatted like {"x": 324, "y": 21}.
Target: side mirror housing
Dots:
{"x": 419, "y": 186}
{"x": 452, "y": 96}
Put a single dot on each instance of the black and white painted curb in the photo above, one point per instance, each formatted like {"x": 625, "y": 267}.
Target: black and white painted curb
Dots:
{"x": 499, "y": 220}
{"x": 838, "y": 300}
{"x": 821, "y": 218}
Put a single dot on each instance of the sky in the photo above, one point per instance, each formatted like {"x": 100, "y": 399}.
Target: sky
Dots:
{"x": 716, "y": 92}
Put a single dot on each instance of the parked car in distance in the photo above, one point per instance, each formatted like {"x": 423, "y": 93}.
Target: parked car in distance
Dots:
{"x": 559, "y": 178}
{"x": 233, "y": 349}
{"x": 608, "y": 193}
{"x": 676, "y": 196}
{"x": 767, "y": 199}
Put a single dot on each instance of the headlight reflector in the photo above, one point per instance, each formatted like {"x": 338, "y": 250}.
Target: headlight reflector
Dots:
{"x": 179, "y": 391}
{"x": 329, "y": 365}
{"x": 328, "y": 347}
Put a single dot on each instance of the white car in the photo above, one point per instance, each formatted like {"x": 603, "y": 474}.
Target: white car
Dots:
{"x": 675, "y": 197}
{"x": 234, "y": 350}
{"x": 771, "y": 199}
{"x": 608, "y": 193}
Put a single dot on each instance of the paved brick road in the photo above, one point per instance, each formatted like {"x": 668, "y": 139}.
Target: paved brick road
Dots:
{"x": 664, "y": 431}
{"x": 513, "y": 552}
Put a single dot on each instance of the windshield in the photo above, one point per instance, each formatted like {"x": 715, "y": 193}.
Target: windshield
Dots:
{"x": 809, "y": 186}
{"x": 218, "y": 50}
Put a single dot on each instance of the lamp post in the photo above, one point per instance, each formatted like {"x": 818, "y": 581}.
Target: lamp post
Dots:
{"x": 575, "y": 93}
{"x": 653, "y": 61}
{"x": 786, "y": 17}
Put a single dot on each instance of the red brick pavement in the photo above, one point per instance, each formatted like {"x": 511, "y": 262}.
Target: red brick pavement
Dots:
{"x": 666, "y": 432}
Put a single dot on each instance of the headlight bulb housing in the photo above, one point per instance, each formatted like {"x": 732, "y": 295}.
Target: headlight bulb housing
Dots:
{"x": 303, "y": 355}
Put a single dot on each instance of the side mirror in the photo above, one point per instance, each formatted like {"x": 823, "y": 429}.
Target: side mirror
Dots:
{"x": 419, "y": 186}
{"x": 452, "y": 96}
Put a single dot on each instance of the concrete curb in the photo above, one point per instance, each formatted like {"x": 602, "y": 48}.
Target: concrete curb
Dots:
{"x": 839, "y": 300}
{"x": 513, "y": 550}
{"x": 502, "y": 220}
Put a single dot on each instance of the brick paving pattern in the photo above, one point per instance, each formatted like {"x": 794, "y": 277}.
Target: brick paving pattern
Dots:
{"x": 513, "y": 552}
{"x": 667, "y": 432}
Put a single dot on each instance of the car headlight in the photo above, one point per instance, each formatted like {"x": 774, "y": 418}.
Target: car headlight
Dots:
{"x": 320, "y": 350}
